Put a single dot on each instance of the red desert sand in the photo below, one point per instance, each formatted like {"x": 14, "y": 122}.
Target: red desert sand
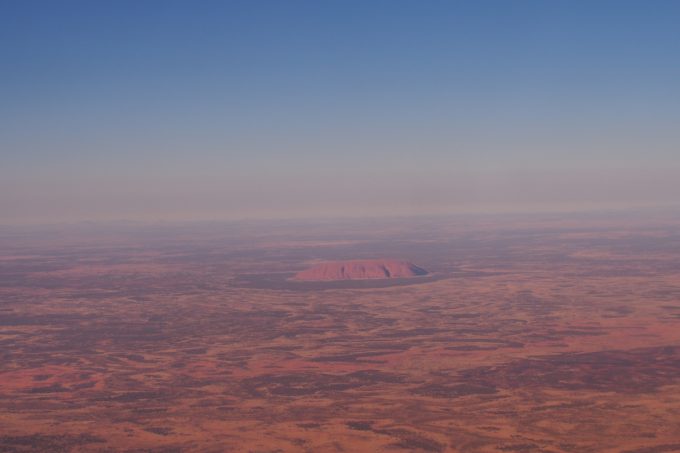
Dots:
{"x": 360, "y": 270}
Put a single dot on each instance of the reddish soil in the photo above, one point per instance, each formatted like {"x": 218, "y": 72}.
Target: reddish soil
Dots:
{"x": 557, "y": 335}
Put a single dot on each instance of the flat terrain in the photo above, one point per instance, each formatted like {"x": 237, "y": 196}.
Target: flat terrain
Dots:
{"x": 533, "y": 334}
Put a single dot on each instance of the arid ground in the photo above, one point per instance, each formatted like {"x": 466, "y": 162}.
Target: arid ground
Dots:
{"x": 532, "y": 334}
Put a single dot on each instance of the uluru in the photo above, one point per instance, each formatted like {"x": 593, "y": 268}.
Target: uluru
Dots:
{"x": 360, "y": 270}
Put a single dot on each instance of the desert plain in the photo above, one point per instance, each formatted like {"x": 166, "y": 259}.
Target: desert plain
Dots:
{"x": 551, "y": 333}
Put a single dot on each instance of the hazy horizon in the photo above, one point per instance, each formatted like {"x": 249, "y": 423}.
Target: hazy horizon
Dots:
{"x": 170, "y": 111}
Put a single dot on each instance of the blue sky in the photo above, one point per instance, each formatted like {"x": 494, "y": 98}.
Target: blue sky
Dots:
{"x": 162, "y": 110}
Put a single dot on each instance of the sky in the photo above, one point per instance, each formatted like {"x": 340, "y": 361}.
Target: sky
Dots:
{"x": 209, "y": 110}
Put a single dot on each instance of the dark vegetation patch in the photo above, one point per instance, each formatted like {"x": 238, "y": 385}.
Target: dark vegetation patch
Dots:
{"x": 84, "y": 385}
{"x": 419, "y": 331}
{"x": 309, "y": 425}
{"x": 621, "y": 310}
{"x": 471, "y": 348}
{"x": 158, "y": 450}
{"x": 301, "y": 384}
{"x": 360, "y": 426}
{"x": 634, "y": 371}
{"x": 576, "y": 332}
{"x": 520, "y": 448}
{"x": 455, "y": 390}
{"x": 411, "y": 441}
{"x": 42, "y": 377}
{"x": 46, "y": 443}
{"x": 655, "y": 449}
{"x": 561, "y": 406}
{"x": 354, "y": 357}
{"x": 160, "y": 430}
{"x": 54, "y": 388}
{"x": 481, "y": 344}
{"x": 135, "y": 357}
{"x": 41, "y": 320}
{"x": 131, "y": 397}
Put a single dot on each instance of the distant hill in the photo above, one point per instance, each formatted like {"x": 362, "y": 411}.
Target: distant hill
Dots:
{"x": 360, "y": 270}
